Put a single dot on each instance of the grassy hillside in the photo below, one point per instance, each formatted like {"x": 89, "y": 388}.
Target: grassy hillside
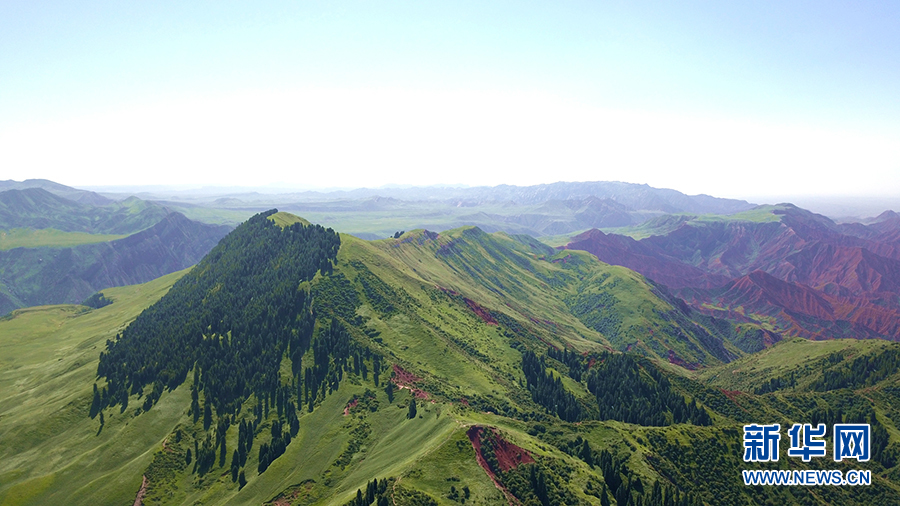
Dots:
{"x": 287, "y": 219}
{"x": 790, "y": 356}
{"x": 565, "y": 298}
{"x": 50, "y": 450}
{"x": 489, "y": 334}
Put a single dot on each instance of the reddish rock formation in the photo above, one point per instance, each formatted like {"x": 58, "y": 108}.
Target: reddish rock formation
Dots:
{"x": 482, "y": 313}
{"x": 509, "y": 456}
{"x": 815, "y": 278}
{"x": 650, "y": 261}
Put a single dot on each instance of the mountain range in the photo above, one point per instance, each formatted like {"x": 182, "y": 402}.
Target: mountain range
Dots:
{"x": 296, "y": 364}
{"x": 62, "y": 251}
{"x": 67, "y": 192}
{"x": 538, "y": 210}
{"x": 787, "y": 269}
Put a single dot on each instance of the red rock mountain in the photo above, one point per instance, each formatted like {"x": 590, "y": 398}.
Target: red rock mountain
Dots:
{"x": 784, "y": 267}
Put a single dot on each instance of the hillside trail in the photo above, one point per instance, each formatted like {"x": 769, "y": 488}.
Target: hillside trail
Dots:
{"x": 139, "y": 500}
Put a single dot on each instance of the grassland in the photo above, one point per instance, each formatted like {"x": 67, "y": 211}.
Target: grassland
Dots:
{"x": 663, "y": 225}
{"x": 53, "y": 449}
{"x": 48, "y": 237}
{"x": 50, "y": 450}
{"x": 380, "y": 218}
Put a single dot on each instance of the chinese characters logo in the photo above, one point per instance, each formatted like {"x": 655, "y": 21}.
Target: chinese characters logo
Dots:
{"x": 851, "y": 441}
{"x": 761, "y": 442}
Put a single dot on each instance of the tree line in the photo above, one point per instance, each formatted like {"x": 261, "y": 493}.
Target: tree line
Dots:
{"x": 628, "y": 392}
{"x": 625, "y": 390}
{"x": 863, "y": 371}
{"x": 548, "y": 390}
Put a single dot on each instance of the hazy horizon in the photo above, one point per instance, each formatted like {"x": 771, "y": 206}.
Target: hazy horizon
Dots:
{"x": 834, "y": 206}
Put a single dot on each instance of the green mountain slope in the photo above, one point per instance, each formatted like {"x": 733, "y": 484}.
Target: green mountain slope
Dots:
{"x": 565, "y": 299}
{"x": 453, "y": 368}
{"x": 50, "y": 450}
{"x": 37, "y": 208}
{"x": 56, "y": 274}
{"x": 61, "y": 190}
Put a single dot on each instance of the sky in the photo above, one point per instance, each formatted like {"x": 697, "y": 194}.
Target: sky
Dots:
{"x": 732, "y": 99}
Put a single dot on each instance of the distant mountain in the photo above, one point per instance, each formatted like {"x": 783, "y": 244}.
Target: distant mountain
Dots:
{"x": 539, "y": 210}
{"x": 800, "y": 310}
{"x": 632, "y": 196}
{"x": 158, "y": 242}
{"x": 800, "y": 271}
{"x": 39, "y": 208}
{"x": 646, "y": 258}
{"x": 60, "y": 190}
{"x": 37, "y": 276}
{"x": 887, "y": 222}
{"x": 553, "y": 217}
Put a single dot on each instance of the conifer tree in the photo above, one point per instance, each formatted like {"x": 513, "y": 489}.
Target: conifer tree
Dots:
{"x": 207, "y": 415}
{"x": 235, "y": 465}
{"x": 195, "y": 402}
{"x": 95, "y": 404}
{"x": 222, "y": 452}
{"x": 586, "y": 454}
{"x": 412, "y": 408}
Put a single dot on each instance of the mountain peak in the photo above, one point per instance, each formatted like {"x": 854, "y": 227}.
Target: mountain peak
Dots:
{"x": 285, "y": 219}
{"x": 594, "y": 233}
{"x": 887, "y": 216}
{"x": 60, "y": 190}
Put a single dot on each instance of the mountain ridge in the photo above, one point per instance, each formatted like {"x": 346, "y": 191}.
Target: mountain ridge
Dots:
{"x": 38, "y": 208}
{"x": 86, "y": 197}
{"x": 50, "y": 275}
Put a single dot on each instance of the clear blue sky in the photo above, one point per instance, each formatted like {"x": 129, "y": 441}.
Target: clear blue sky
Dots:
{"x": 727, "y": 98}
